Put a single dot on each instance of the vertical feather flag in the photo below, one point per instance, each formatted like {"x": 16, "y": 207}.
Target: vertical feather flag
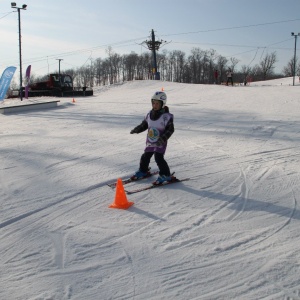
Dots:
{"x": 5, "y": 80}
{"x": 27, "y": 81}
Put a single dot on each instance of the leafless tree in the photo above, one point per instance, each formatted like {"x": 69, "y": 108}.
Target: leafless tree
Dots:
{"x": 233, "y": 63}
{"x": 178, "y": 60}
{"x": 130, "y": 66}
{"x": 162, "y": 64}
{"x": 221, "y": 65}
{"x": 195, "y": 62}
{"x": 197, "y": 67}
{"x": 288, "y": 70}
{"x": 267, "y": 65}
{"x": 245, "y": 72}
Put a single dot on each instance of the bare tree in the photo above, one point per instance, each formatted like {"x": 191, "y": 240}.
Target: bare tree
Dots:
{"x": 98, "y": 70}
{"x": 178, "y": 60}
{"x": 245, "y": 70}
{"x": 288, "y": 70}
{"x": 221, "y": 65}
{"x": 233, "y": 63}
{"x": 130, "y": 66}
{"x": 267, "y": 65}
{"x": 197, "y": 68}
{"x": 146, "y": 61}
{"x": 114, "y": 63}
{"x": 211, "y": 56}
{"x": 195, "y": 61}
{"x": 162, "y": 63}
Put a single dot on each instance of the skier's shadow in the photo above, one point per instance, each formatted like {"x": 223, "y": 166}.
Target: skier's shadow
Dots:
{"x": 134, "y": 209}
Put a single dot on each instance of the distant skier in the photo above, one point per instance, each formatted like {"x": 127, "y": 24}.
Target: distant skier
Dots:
{"x": 159, "y": 123}
{"x": 229, "y": 77}
{"x": 216, "y": 76}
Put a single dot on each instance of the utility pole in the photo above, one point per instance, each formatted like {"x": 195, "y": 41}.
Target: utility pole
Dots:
{"x": 154, "y": 45}
{"x": 24, "y": 6}
{"x": 294, "y": 71}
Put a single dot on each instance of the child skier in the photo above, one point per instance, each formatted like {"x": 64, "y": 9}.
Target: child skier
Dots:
{"x": 159, "y": 123}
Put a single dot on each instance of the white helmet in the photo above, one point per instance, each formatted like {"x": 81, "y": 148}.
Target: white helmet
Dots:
{"x": 161, "y": 96}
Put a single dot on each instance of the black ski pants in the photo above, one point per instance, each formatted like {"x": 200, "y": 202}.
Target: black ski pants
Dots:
{"x": 229, "y": 79}
{"x": 160, "y": 161}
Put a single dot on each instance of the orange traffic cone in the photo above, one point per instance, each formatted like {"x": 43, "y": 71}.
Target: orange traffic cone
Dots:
{"x": 73, "y": 100}
{"x": 120, "y": 198}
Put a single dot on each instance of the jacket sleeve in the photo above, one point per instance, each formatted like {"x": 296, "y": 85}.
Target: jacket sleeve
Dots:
{"x": 140, "y": 128}
{"x": 169, "y": 131}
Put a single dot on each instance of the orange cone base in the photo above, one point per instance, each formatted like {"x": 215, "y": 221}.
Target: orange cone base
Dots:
{"x": 122, "y": 206}
{"x": 120, "y": 198}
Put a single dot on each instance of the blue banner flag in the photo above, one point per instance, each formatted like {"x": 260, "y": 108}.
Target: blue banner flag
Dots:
{"x": 5, "y": 80}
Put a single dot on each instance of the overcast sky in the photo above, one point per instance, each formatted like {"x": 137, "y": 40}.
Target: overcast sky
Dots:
{"x": 80, "y": 31}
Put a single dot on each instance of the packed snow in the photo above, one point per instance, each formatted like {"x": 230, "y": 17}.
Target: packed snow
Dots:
{"x": 231, "y": 232}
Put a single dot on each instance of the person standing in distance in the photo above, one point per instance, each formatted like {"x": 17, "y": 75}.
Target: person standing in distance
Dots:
{"x": 216, "y": 76}
{"x": 229, "y": 77}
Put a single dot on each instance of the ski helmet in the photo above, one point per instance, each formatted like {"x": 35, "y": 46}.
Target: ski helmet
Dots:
{"x": 161, "y": 96}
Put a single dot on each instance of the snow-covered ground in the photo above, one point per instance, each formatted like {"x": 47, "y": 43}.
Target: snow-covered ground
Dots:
{"x": 231, "y": 232}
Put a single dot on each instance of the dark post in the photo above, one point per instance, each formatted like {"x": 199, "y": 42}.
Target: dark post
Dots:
{"x": 20, "y": 56}
{"x": 14, "y": 5}
{"x": 59, "y": 59}
{"x": 294, "y": 71}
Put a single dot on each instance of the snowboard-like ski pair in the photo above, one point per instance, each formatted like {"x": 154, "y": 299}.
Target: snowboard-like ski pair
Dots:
{"x": 152, "y": 186}
{"x": 128, "y": 180}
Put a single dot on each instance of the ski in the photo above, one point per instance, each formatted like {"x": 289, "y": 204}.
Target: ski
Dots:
{"x": 153, "y": 186}
{"x": 128, "y": 180}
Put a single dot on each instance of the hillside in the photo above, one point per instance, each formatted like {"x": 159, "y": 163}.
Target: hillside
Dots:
{"x": 231, "y": 232}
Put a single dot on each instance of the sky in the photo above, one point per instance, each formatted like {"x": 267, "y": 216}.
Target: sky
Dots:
{"x": 230, "y": 232}
{"x": 79, "y": 32}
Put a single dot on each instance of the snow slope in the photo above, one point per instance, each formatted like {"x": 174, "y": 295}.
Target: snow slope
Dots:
{"x": 231, "y": 232}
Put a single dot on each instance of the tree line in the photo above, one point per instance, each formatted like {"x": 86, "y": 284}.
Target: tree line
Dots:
{"x": 198, "y": 67}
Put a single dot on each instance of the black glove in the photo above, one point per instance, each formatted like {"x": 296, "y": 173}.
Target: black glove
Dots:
{"x": 133, "y": 131}
{"x": 159, "y": 142}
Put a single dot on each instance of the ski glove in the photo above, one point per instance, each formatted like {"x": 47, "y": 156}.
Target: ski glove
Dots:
{"x": 133, "y": 131}
{"x": 159, "y": 142}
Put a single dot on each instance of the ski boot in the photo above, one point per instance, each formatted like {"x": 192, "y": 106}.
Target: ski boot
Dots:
{"x": 162, "y": 179}
{"x": 139, "y": 175}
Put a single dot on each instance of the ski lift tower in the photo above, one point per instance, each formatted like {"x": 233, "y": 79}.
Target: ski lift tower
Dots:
{"x": 154, "y": 45}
